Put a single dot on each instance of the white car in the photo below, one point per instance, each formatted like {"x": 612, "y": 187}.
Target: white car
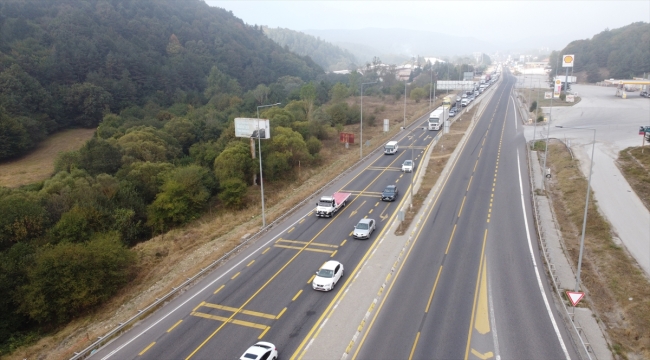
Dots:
{"x": 408, "y": 166}
{"x": 364, "y": 229}
{"x": 262, "y": 350}
{"x": 327, "y": 276}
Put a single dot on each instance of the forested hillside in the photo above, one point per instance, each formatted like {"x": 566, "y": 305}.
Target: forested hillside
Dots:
{"x": 66, "y": 63}
{"x": 162, "y": 80}
{"x": 325, "y": 54}
{"x": 623, "y": 53}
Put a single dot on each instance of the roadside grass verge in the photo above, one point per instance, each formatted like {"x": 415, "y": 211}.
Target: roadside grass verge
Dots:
{"x": 635, "y": 166}
{"x": 168, "y": 259}
{"x": 437, "y": 161}
{"x": 618, "y": 290}
{"x": 38, "y": 164}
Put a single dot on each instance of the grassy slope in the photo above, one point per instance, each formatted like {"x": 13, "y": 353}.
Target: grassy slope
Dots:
{"x": 38, "y": 165}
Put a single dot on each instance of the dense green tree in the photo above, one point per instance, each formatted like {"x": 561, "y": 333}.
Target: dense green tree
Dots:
{"x": 183, "y": 196}
{"x": 148, "y": 144}
{"x": 14, "y": 138}
{"x": 235, "y": 162}
{"x": 183, "y": 130}
{"x": 23, "y": 218}
{"x": 339, "y": 92}
{"x": 233, "y": 193}
{"x": 67, "y": 279}
{"x": 86, "y": 103}
{"x": 13, "y": 275}
{"x": 418, "y": 94}
{"x": 67, "y": 161}
{"x": 99, "y": 156}
{"x": 314, "y": 146}
{"x": 145, "y": 176}
{"x": 308, "y": 96}
{"x": 74, "y": 226}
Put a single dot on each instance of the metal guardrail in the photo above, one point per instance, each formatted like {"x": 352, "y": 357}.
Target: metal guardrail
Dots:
{"x": 102, "y": 340}
{"x": 550, "y": 266}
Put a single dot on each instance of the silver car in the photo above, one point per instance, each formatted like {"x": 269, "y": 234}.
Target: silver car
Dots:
{"x": 364, "y": 229}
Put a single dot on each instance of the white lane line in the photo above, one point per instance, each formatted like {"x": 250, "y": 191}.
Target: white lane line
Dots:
{"x": 495, "y": 338}
{"x": 532, "y": 256}
{"x": 514, "y": 110}
{"x": 200, "y": 291}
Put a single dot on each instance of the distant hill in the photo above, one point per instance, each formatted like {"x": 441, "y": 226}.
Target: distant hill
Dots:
{"x": 388, "y": 42}
{"x": 622, "y": 53}
{"x": 325, "y": 54}
{"x": 65, "y": 63}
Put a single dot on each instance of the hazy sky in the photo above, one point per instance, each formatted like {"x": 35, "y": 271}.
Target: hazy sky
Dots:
{"x": 484, "y": 20}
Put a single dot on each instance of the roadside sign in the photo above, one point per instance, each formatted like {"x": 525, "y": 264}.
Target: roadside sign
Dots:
{"x": 547, "y": 95}
{"x": 567, "y": 60}
{"x": 570, "y": 98}
{"x": 252, "y": 128}
{"x": 644, "y": 129}
{"x": 575, "y": 297}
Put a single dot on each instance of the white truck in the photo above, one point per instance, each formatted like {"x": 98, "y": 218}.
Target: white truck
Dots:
{"x": 327, "y": 206}
{"x": 438, "y": 118}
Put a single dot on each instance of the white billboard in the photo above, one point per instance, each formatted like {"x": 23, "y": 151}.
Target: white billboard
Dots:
{"x": 252, "y": 128}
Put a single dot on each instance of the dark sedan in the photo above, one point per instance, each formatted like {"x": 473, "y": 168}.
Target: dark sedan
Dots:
{"x": 389, "y": 193}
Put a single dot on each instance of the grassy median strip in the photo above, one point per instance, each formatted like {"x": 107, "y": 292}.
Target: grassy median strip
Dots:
{"x": 634, "y": 163}
{"x": 618, "y": 290}
{"x": 439, "y": 157}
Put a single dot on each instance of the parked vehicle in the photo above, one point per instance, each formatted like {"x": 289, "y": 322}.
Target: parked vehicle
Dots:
{"x": 364, "y": 229}
{"x": 438, "y": 118}
{"x": 327, "y": 206}
{"x": 390, "y": 148}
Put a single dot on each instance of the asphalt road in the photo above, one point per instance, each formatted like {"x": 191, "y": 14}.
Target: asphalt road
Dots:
{"x": 264, "y": 293}
{"x": 472, "y": 285}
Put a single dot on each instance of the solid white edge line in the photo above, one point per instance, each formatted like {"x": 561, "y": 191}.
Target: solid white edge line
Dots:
{"x": 201, "y": 291}
{"x": 495, "y": 338}
{"x": 514, "y": 111}
{"x": 532, "y": 256}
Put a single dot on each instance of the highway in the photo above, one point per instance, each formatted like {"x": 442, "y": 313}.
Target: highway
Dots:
{"x": 264, "y": 293}
{"x": 472, "y": 285}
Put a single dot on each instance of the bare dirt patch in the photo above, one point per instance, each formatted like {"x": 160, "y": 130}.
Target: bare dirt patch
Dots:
{"x": 167, "y": 260}
{"x": 634, "y": 163}
{"x": 618, "y": 292}
{"x": 38, "y": 165}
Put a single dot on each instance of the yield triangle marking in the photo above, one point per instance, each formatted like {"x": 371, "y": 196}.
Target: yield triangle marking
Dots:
{"x": 575, "y": 297}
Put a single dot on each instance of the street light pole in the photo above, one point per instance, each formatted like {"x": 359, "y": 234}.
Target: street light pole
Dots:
{"x": 405, "y": 82}
{"x": 584, "y": 219}
{"x": 550, "y": 115}
{"x": 259, "y": 148}
{"x": 430, "y": 85}
{"x": 361, "y": 121}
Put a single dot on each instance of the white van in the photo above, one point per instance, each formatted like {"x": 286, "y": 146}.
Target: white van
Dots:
{"x": 390, "y": 148}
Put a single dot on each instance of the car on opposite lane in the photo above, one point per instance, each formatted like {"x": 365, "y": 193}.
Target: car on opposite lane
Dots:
{"x": 364, "y": 229}
{"x": 327, "y": 276}
{"x": 262, "y": 350}
{"x": 389, "y": 193}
